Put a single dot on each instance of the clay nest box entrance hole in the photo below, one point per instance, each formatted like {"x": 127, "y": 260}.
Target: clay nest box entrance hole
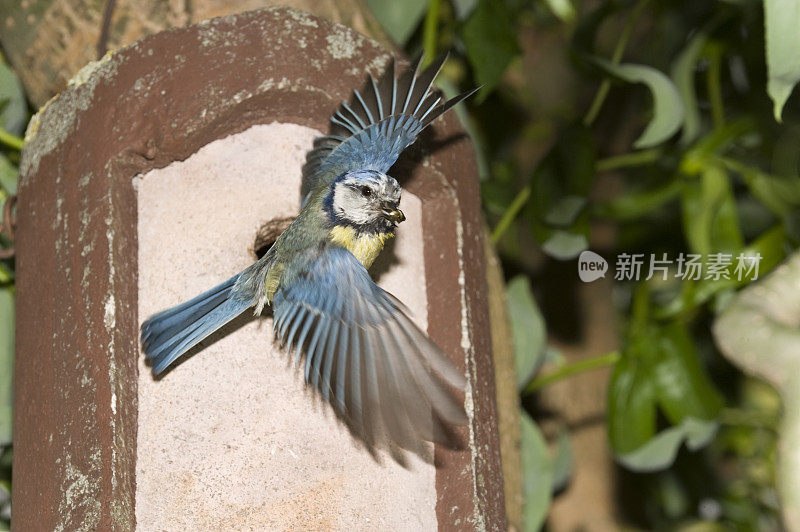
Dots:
{"x": 268, "y": 233}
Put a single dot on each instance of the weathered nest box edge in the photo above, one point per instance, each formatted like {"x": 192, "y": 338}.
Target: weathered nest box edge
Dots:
{"x": 143, "y": 107}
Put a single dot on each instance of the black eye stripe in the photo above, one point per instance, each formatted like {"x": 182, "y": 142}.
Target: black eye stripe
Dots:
{"x": 365, "y": 190}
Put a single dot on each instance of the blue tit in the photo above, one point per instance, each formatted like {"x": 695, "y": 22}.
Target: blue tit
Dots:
{"x": 381, "y": 374}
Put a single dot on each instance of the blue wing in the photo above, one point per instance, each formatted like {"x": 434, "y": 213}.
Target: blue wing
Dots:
{"x": 377, "y": 126}
{"x": 363, "y": 354}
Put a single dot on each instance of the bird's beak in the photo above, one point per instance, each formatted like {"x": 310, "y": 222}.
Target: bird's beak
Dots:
{"x": 394, "y": 214}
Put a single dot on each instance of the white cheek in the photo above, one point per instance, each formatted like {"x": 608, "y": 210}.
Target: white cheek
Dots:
{"x": 350, "y": 207}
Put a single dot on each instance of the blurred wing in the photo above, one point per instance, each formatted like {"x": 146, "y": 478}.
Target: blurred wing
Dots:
{"x": 377, "y": 126}
{"x": 363, "y": 354}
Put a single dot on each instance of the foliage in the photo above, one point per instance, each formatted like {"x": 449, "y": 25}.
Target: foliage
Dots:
{"x": 538, "y": 473}
{"x": 13, "y": 117}
{"x": 527, "y": 328}
{"x": 654, "y": 119}
{"x": 783, "y": 41}
{"x": 668, "y": 108}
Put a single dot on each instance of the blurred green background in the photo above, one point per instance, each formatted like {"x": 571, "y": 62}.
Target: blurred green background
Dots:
{"x": 631, "y": 127}
{"x": 14, "y": 115}
{"x": 657, "y": 127}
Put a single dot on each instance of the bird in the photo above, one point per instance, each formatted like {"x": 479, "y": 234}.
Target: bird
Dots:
{"x": 360, "y": 351}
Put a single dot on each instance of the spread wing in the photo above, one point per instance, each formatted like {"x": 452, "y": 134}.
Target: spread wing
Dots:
{"x": 363, "y": 354}
{"x": 372, "y": 130}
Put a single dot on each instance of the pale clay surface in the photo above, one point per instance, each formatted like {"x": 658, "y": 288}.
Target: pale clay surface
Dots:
{"x": 231, "y": 439}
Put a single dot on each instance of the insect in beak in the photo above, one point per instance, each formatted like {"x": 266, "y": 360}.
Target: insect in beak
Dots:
{"x": 394, "y": 214}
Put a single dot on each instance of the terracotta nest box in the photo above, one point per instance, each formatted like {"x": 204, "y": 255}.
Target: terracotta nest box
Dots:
{"x": 145, "y": 182}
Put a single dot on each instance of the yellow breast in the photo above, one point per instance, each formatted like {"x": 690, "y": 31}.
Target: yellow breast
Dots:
{"x": 364, "y": 247}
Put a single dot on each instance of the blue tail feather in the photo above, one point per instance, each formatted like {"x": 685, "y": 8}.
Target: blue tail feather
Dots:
{"x": 170, "y": 333}
{"x": 165, "y": 327}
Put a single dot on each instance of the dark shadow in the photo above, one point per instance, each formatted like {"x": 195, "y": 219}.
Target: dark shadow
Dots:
{"x": 268, "y": 233}
{"x": 426, "y": 146}
{"x": 560, "y": 301}
{"x": 537, "y": 411}
{"x": 386, "y": 260}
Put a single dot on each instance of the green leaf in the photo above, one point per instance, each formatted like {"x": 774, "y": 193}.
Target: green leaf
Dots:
{"x": 564, "y": 245}
{"x": 563, "y": 9}
{"x": 527, "y": 328}
{"x": 565, "y": 212}
{"x": 770, "y": 246}
{"x": 490, "y": 41}
{"x": 638, "y": 204}
{"x": 553, "y": 356}
{"x": 710, "y": 219}
{"x": 668, "y": 109}
{"x": 782, "y": 20}
{"x": 14, "y": 113}
{"x": 781, "y": 195}
{"x": 682, "y": 74}
{"x": 670, "y": 494}
{"x": 702, "y": 154}
{"x": 464, "y": 8}
{"x": 682, "y": 388}
{"x": 562, "y": 461}
{"x": 536, "y": 474}
{"x": 6, "y": 363}
{"x": 660, "y": 370}
{"x": 6, "y": 273}
{"x": 5, "y": 496}
{"x": 559, "y": 188}
{"x": 399, "y": 19}
{"x": 659, "y": 452}
{"x": 5, "y": 507}
{"x": 8, "y": 175}
{"x": 631, "y": 406}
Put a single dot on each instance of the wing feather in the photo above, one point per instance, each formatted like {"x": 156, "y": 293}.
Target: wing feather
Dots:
{"x": 334, "y": 352}
{"x": 377, "y": 95}
{"x": 394, "y": 413}
{"x": 339, "y": 118}
{"x": 312, "y": 346}
{"x": 378, "y": 124}
{"x": 295, "y": 326}
{"x": 354, "y": 115}
{"x": 341, "y": 373}
{"x": 301, "y": 341}
{"x": 377, "y": 369}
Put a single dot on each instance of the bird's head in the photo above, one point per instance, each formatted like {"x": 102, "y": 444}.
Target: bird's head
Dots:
{"x": 367, "y": 200}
